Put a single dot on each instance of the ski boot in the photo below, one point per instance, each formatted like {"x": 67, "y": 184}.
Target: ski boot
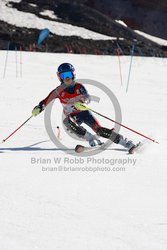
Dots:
{"x": 132, "y": 148}
{"x": 92, "y": 139}
{"x": 127, "y": 144}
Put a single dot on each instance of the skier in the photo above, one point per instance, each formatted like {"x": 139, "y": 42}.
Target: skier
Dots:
{"x": 69, "y": 92}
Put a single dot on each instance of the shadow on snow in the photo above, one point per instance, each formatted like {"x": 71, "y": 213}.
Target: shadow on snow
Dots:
{"x": 33, "y": 148}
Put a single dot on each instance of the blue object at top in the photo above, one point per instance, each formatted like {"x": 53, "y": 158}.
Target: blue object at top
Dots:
{"x": 43, "y": 34}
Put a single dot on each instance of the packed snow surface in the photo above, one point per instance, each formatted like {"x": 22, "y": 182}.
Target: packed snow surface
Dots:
{"x": 50, "y": 199}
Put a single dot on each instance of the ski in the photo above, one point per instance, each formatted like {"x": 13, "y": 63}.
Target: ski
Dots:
{"x": 80, "y": 148}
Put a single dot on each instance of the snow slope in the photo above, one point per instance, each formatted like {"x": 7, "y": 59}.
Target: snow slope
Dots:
{"x": 44, "y": 205}
{"x": 155, "y": 39}
{"x": 8, "y": 14}
{"x": 152, "y": 38}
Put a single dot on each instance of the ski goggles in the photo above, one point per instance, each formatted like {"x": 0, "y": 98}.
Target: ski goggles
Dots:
{"x": 65, "y": 75}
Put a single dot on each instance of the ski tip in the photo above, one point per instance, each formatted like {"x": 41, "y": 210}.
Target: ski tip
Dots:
{"x": 135, "y": 148}
{"x": 79, "y": 148}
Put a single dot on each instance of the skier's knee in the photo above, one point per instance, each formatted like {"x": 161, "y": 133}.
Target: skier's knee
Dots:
{"x": 74, "y": 128}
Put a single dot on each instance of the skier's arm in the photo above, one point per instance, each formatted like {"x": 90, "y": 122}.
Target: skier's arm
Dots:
{"x": 53, "y": 94}
{"x": 85, "y": 97}
{"x": 41, "y": 106}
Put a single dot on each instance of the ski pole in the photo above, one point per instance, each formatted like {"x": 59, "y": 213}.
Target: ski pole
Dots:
{"x": 82, "y": 107}
{"x": 17, "y": 129}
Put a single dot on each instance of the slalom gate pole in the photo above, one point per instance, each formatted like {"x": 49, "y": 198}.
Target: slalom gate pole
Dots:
{"x": 58, "y": 132}
{"x": 16, "y": 61}
{"x": 119, "y": 62}
{"x": 21, "y": 61}
{"x": 17, "y": 129}
{"x": 130, "y": 67}
{"x": 6, "y": 60}
{"x": 82, "y": 107}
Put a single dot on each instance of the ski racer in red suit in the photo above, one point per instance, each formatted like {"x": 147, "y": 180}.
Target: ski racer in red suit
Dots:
{"x": 70, "y": 92}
